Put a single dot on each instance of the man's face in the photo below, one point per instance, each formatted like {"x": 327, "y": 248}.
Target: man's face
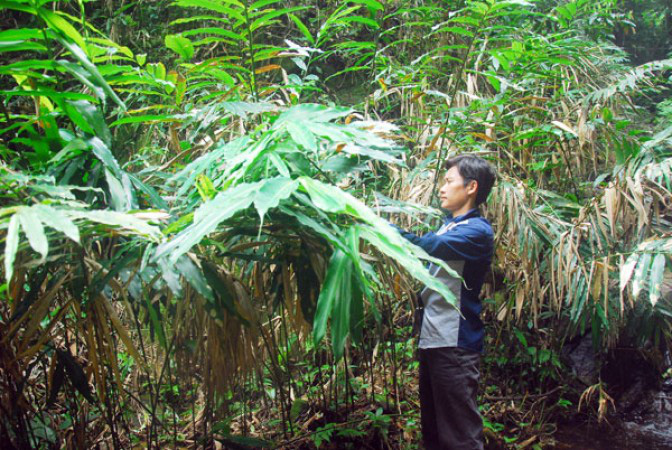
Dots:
{"x": 454, "y": 194}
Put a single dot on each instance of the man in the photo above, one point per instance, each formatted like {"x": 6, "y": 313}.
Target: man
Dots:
{"x": 450, "y": 344}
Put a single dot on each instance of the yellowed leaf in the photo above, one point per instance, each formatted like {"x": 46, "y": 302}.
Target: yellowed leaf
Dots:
{"x": 483, "y": 136}
{"x": 266, "y": 68}
{"x": 563, "y": 126}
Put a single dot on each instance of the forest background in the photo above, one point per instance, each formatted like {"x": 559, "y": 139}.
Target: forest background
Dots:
{"x": 195, "y": 197}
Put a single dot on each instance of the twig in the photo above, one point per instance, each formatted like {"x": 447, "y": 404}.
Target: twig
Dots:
{"x": 521, "y": 397}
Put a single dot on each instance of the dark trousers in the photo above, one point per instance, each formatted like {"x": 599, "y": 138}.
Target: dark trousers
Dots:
{"x": 448, "y": 411}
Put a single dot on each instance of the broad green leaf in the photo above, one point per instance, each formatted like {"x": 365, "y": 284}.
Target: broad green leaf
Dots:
{"x": 117, "y": 193}
{"x": 302, "y": 136}
{"x": 242, "y": 109}
{"x": 73, "y": 148}
{"x": 194, "y": 276}
{"x": 48, "y": 93}
{"x": 371, "y": 153}
{"x": 198, "y": 18}
{"x": 187, "y": 176}
{"x": 11, "y": 246}
{"x": 322, "y": 197}
{"x": 20, "y": 34}
{"x": 407, "y": 254}
{"x": 341, "y": 297}
{"x": 221, "y": 288}
{"x": 85, "y": 77}
{"x": 262, "y": 3}
{"x": 180, "y": 45}
{"x": 316, "y": 226}
{"x": 55, "y": 219}
{"x": 94, "y": 116}
{"x": 117, "y": 219}
{"x": 360, "y": 286}
{"x": 564, "y": 12}
{"x": 170, "y": 276}
{"x": 340, "y": 315}
{"x": 279, "y": 164}
{"x": 21, "y": 46}
{"x": 103, "y": 153}
{"x": 380, "y": 234}
{"x": 58, "y": 23}
{"x": 79, "y": 54}
{"x": 272, "y": 192}
{"x": 156, "y": 200}
{"x": 34, "y": 231}
{"x": 337, "y": 284}
{"x": 17, "y": 6}
{"x": 207, "y": 217}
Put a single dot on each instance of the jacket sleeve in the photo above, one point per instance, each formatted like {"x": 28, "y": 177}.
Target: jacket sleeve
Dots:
{"x": 464, "y": 242}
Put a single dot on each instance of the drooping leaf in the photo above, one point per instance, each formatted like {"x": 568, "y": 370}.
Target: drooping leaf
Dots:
{"x": 94, "y": 118}
{"x": 656, "y": 278}
{"x": 34, "y": 230}
{"x": 58, "y": 23}
{"x": 57, "y": 378}
{"x": 83, "y": 59}
{"x": 207, "y": 217}
{"x": 194, "y": 276}
{"x": 55, "y": 219}
{"x": 76, "y": 374}
{"x": 336, "y": 284}
{"x": 639, "y": 278}
{"x": 380, "y": 234}
{"x": 303, "y": 28}
{"x": 272, "y": 192}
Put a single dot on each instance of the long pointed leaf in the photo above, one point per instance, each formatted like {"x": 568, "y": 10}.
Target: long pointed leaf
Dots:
{"x": 11, "y": 246}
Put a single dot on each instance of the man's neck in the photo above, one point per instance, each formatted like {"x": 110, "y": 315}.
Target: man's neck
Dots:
{"x": 463, "y": 210}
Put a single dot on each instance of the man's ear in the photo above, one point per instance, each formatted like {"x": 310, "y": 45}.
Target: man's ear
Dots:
{"x": 472, "y": 187}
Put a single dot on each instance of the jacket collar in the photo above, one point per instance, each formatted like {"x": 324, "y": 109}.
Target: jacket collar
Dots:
{"x": 468, "y": 215}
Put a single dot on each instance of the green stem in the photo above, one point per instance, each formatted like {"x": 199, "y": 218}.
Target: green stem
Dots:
{"x": 250, "y": 41}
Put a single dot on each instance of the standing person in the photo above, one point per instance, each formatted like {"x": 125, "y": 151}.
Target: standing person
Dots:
{"x": 450, "y": 344}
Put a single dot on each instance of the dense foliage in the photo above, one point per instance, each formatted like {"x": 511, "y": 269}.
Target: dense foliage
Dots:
{"x": 196, "y": 194}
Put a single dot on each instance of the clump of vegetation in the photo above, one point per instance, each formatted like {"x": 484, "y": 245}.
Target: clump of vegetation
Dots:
{"x": 194, "y": 229}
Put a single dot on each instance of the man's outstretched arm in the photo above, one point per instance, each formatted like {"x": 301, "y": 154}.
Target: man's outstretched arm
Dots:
{"x": 464, "y": 242}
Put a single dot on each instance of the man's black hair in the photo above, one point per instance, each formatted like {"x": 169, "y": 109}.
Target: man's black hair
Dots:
{"x": 472, "y": 167}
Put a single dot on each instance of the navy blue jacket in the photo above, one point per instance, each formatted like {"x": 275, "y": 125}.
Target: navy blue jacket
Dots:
{"x": 466, "y": 243}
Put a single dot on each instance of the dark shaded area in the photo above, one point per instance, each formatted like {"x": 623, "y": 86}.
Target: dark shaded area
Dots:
{"x": 647, "y": 32}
